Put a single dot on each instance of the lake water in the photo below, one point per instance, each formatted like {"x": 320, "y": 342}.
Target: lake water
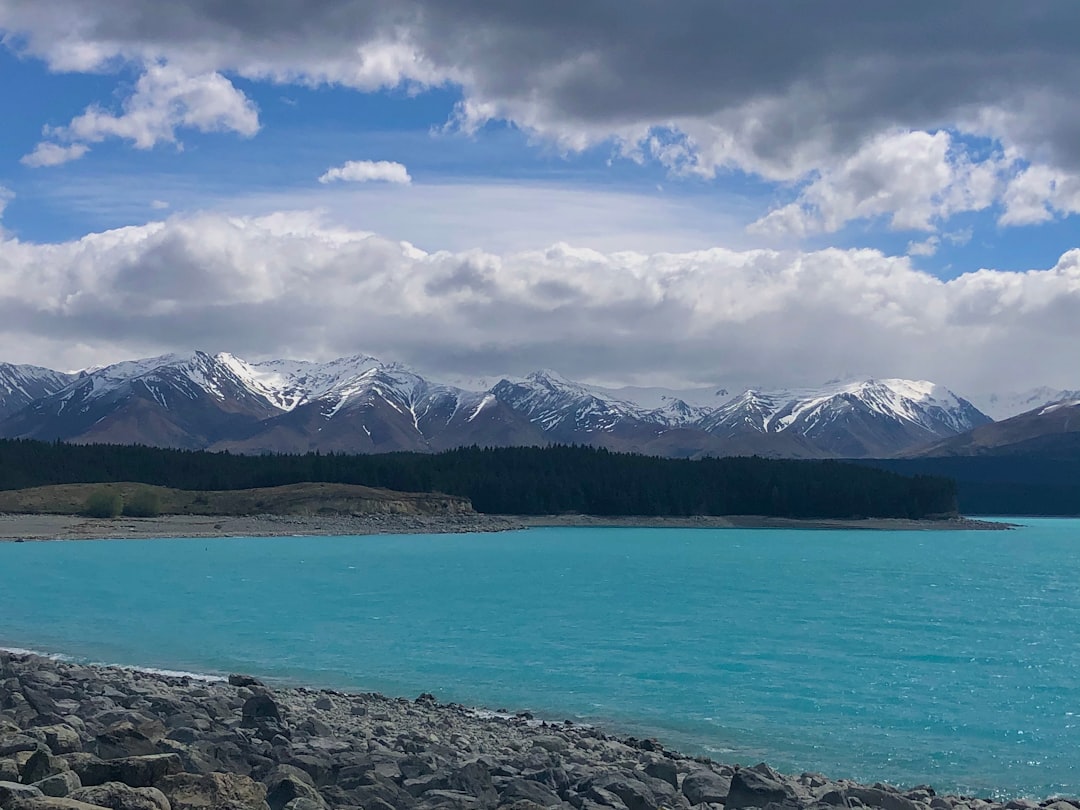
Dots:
{"x": 944, "y": 657}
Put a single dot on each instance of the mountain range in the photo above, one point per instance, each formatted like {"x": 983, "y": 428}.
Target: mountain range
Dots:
{"x": 364, "y": 405}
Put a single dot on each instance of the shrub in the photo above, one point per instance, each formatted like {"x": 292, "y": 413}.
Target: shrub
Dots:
{"x": 104, "y": 503}
{"x": 143, "y": 503}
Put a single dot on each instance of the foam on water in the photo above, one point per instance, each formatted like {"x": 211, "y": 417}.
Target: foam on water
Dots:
{"x": 910, "y": 657}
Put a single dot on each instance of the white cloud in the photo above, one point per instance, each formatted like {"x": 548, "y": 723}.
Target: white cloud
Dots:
{"x": 164, "y": 100}
{"x": 159, "y": 205}
{"x": 368, "y": 171}
{"x": 916, "y": 179}
{"x": 1038, "y": 194}
{"x": 291, "y": 284}
{"x": 53, "y": 154}
{"x": 927, "y": 247}
{"x": 6, "y": 196}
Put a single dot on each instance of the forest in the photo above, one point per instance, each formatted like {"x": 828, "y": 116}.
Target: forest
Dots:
{"x": 525, "y": 480}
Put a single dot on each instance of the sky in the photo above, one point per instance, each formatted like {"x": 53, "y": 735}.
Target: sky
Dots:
{"x": 692, "y": 193}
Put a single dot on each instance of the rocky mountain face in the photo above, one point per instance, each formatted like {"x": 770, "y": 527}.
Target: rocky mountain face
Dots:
{"x": 363, "y": 405}
{"x": 21, "y": 385}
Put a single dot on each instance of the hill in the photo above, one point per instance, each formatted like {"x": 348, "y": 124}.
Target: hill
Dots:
{"x": 1048, "y": 432}
{"x": 306, "y": 499}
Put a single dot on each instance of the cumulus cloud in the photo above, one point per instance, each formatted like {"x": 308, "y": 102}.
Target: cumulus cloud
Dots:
{"x": 291, "y": 284}
{"x": 164, "y": 99}
{"x": 917, "y": 179}
{"x": 1038, "y": 194}
{"x": 779, "y": 90}
{"x": 368, "y": 171}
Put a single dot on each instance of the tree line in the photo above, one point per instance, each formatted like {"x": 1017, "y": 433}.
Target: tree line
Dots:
{"x": 514, "y": 480}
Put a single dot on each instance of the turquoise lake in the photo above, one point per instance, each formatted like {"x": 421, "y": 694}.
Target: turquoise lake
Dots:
{"x": 950, "y": 658}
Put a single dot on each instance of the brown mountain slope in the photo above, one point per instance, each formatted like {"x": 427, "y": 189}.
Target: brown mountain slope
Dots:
{"x": 1053, "y": 430}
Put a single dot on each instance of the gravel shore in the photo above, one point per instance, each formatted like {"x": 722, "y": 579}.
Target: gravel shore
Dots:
{"x": 76, "y": 737}
{"x": 70, "y": 527}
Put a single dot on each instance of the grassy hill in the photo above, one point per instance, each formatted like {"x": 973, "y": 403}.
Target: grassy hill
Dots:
{"x": 309, "y": 499}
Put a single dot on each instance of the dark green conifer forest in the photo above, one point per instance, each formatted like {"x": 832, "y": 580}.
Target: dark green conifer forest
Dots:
{"x": 526, "y": 480}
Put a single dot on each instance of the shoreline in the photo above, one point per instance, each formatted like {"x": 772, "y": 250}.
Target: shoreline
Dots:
{"x": 93, "y": 733}
{"x": 44, "y": 527}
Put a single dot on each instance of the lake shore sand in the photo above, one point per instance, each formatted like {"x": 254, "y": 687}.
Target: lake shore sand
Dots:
{"x": 72, "y": 527}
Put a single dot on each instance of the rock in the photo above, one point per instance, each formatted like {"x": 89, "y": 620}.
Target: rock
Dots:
{"x": 17, "y": 743}
{"x": 449, "y": 800}
{"x": 260, "y": 708}
{"x": 132, "y": 771}
{"x": 244, "y": 680}
{"x": 40, "y": 765}
{"x": 9, "y": 770}
{"x": 749, "y": 788}
{"x": 604, "y": 798}
{"x": 665, "y": 770}
{"x": 706, "y": 786}
{"x": 118, "y": 796}
{"x": 59, "y": 784}
{"x": 213, "y": 791}
{"x": 11, "y": 793}
{"x": 287, "y": 783}
{"x": 55, "y": 803}
{"x": 524, "y": 789}
{"x": 550, "y": 743}
{"x": 879, "y": 797}
{"x": 61, "y": 738}
{"x": 635, "y": 795}
{"x": 126, "y": 739}
{"x": 305, "y": 804}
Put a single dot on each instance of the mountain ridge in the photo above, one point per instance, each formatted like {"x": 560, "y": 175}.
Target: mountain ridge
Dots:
{"x": 363, "y": 404}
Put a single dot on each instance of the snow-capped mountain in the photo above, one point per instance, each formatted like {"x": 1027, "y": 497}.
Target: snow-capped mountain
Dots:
{"x": 1001, "y": 406}
{"x": 362, "y": 404}
{"x": 853, "y": 419}
{"x": 21, "y": 385}
{"x": 186, "y": 401}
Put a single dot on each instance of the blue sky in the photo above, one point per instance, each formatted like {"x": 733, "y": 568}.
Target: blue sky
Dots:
{"x": 687, "y": 173}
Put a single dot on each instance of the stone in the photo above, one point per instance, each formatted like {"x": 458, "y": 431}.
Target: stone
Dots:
{"x": 527, "y": 790}
{"x": 61, "y": 738}
{"x": 133, "y": 771}
{"x": 635, "y": 794}
{"x": 56, "y": 803}
{"x": 59, "y": 784}
{"x": 449, "y": 800}
{"x": 665, "y": 770}
{"x": 880, "y": 797}
{"x": 287, "y": 783}
{"x": 213, "y": 791}
{"x": 550, "y": 743}
{"x": 118, "y": 796}
{"x": 305, "y": 804}
{"x": 17, "y": 743}
{"x": 9, "y": 770}
{"x": 706, "y": 786}
{"x": 244, "y": 680}
{"x": 260, "y": 708}
{"x": 11, "y": 793}
{"x": 40, "y": 765}
{"x": 749, "y": 788}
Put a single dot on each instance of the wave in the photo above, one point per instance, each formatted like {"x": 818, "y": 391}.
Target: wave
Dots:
{"x": 166, "y": 673}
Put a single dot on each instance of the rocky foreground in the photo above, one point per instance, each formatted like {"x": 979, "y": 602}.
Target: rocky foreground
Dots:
{"x": 77, "y": 738}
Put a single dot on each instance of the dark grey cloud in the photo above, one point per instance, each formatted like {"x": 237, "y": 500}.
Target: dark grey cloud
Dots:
{"x": 790, "y": 83}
